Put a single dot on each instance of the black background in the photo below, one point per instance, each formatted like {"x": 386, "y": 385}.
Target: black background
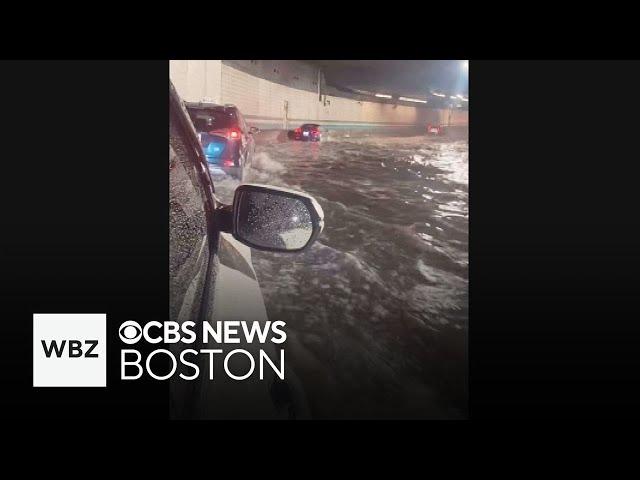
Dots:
{"x": 554, "y": 239}
{"x": 84, "y": 220}
{"x": 553, "y": 230}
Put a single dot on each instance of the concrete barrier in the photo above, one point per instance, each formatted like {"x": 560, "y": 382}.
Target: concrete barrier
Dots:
{"x": 265, "y": 137}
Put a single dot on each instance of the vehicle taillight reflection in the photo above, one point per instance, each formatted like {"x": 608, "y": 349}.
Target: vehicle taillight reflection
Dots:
{"x": 233, "y": 133}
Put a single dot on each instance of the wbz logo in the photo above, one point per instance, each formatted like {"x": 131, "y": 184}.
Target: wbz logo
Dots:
{"x": 74, "y": 350}
{"x": 69, "y": 350}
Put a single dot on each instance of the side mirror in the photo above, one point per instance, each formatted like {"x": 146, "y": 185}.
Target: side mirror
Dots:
{"x": 275, "y": 219}
{"x": 254, "y": 130}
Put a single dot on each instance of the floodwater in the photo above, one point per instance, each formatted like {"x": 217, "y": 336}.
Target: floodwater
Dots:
{"x": 377, "y": 309}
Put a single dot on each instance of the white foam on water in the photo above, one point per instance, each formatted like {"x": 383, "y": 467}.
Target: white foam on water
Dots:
{"x": 264, "y": 163}
{"x": 371, "y": 269}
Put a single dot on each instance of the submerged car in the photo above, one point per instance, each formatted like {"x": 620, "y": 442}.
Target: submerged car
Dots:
{"x": 308, "y": 132}
{"x": 226, "y": 139}
{"x": 435, "y": 129}
{"x": 212, "y": 279}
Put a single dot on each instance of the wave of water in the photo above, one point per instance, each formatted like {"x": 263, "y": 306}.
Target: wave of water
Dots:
{"x": 377, "y": 309}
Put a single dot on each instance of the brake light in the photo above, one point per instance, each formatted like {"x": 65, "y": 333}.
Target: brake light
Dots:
{"x": 234, "y": 133}
{"x": 228, "y": 162}
{"x": 298, "y": 130}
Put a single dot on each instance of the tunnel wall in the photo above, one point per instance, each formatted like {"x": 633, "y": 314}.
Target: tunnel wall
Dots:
{"x": 275, "y": 94}
{"x": 197, "y": 80}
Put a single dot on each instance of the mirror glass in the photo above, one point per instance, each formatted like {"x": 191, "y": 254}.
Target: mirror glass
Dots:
{"x": 273, "y": 220}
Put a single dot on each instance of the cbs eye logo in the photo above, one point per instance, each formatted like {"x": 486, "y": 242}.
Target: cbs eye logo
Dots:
{"x": 130, "y": 332}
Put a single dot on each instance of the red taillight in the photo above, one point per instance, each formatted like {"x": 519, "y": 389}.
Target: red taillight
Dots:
{"x": 228, "y": 132}
{"x": 228, "y": 163}
{"x": 298, "y": 130}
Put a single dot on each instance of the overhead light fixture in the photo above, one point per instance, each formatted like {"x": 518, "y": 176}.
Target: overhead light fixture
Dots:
{"x": 438, "y": 94}
{"x": 416, "y": 100}
{"x": 462, "y": 98}
{"x": 382, "y": 95}
{"x": 453, "y": 97}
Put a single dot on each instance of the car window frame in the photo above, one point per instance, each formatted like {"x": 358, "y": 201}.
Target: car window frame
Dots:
{"x": 196, "y": 154}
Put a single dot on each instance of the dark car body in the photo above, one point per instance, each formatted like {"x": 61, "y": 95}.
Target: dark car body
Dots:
{"x": 226, "y": 139}
{"x": 308, "y": 132}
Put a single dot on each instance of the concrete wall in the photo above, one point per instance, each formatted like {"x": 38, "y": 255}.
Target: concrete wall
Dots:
{"x": 283, "y": 94}
{"x": 197, "y": 80}
{"x": 291, "y": 73}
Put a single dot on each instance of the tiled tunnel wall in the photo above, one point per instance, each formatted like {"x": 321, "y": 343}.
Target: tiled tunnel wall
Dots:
{"x": 284, "y": 93}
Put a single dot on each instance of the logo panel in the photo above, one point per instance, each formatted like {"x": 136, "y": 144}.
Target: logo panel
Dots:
{"x": 70, "y": 350}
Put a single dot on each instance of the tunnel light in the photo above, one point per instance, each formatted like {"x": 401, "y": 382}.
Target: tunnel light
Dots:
{"x": 382, "y": 95}
{"x": 461, "y": 97}
{"x": 416, "y": 100}
{"x": 453, "y": 97}
{"x": 438, "y": 94}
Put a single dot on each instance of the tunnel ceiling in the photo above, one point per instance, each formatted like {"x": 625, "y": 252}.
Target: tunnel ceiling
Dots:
{"x": 400, "y": 77}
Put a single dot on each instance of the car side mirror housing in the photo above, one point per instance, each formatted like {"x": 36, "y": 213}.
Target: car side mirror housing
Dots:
{"x": 275, "y": 219}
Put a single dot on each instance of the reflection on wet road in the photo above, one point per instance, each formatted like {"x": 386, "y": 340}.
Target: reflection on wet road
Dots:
{"x": 377, "y": 309}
